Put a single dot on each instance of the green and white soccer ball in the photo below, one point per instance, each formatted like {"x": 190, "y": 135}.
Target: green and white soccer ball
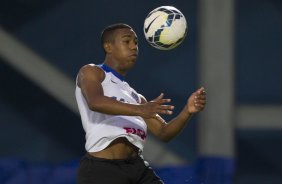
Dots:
{"x": 165, "y": 27}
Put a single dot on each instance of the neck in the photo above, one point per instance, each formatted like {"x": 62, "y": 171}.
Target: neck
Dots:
{"x": 107, "y": 68}
{"x": 115, "y": 66}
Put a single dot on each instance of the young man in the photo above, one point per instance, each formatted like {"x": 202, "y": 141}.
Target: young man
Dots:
{"x": 116, "y": 118}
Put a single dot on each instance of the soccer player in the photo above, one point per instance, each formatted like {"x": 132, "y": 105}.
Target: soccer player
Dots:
{"x": 115, "y": 117}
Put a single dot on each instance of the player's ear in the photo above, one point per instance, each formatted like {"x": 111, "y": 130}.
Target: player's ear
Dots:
{"x": 107, "y": 47}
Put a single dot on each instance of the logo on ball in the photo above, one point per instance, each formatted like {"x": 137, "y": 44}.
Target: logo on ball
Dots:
{"x": 165, "y": 27}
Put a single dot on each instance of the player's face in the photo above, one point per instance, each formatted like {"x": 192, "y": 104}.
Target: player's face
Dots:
{"x": 125, "y": 48}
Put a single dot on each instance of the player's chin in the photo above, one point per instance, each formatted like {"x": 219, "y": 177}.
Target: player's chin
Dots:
{"x": 132, "y": 59}
{"x": 130, "y": 64}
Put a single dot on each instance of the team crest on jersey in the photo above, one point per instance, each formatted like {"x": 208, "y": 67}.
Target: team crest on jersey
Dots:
{"x": 135, "y": 96}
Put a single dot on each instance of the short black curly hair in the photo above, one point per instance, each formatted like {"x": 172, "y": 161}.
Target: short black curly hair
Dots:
{"x": 106, "y": 35}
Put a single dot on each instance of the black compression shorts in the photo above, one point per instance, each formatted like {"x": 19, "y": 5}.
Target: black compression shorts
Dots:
{"x": 93, "y": 170}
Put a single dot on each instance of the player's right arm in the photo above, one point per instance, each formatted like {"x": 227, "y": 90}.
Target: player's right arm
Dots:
{"x": 89, "y": 80}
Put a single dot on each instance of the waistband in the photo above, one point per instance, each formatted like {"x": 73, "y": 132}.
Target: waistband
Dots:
{"x": 116, "y": 161}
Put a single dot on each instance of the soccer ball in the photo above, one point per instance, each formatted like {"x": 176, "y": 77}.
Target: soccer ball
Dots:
{"x": 165, "y": 27}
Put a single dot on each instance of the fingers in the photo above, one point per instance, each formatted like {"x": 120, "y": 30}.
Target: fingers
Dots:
{"x": 159, "y": 97}
{"x": 165, "y": 109}
{"x": 200, "y": 94}
{"x": 200, "y": 106}
{"x": 200, "y": 98}
{"x": 159, "y": 106}
{"x": 200, "y": 102}
{"x": 161, "y": 100}
{"x": 201, "y": 91}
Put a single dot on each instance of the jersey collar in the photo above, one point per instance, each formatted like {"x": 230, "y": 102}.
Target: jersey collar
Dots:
{"x": 109, "y": 69}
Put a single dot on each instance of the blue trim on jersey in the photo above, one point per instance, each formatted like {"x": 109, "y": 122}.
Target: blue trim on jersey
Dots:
{"x": 109, "y": 69}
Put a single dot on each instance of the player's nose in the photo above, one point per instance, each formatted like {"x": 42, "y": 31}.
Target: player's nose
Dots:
{"x": 133, "y": 46}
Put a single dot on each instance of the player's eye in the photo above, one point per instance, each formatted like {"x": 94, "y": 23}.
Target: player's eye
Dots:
{"x": 126, "y": 41}
{"x": 136, "y": 42}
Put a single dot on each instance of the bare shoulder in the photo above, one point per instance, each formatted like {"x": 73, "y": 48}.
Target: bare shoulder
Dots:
{"x": 90, "y": 72}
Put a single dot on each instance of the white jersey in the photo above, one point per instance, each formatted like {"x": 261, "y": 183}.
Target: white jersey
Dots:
{"x": 101, "y": 129}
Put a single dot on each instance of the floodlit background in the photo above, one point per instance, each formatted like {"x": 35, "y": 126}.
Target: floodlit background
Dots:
{"x": 233, "y": 49}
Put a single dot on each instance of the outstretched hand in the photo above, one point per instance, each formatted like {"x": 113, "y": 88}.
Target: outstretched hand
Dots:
{"x": 196, "y": 101}
{"x": 157, "y": 106}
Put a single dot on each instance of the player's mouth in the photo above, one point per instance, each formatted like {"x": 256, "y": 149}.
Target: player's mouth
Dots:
{"x": 134, "y": 55}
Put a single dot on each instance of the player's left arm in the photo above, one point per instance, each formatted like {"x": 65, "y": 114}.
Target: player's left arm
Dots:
{"x": 166, "y": 131}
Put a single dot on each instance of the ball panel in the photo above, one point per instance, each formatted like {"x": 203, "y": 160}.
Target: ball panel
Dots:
{"x": 154, "y": 23}
{"x": 165, "y": 27}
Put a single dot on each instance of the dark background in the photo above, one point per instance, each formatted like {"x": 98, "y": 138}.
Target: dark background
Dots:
{"x": 37, "y": 128}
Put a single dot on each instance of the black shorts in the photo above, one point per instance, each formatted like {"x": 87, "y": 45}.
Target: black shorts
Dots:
{"x": 93, "y": 170}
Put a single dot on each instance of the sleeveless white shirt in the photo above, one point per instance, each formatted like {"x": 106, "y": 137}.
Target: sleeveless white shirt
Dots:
{"x": 101, "y": 129}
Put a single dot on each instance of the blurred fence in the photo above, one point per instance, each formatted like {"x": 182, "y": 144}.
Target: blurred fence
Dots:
{"x": 204, "y": 171}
